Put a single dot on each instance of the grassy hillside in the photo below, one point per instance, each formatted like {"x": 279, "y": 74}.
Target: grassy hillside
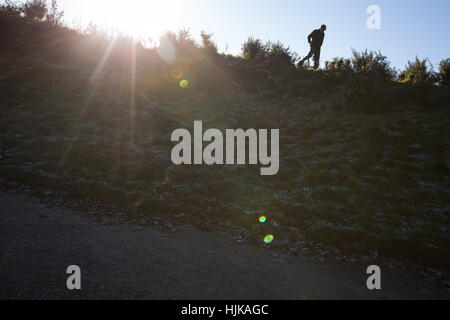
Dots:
{"x": 364, "y": 160}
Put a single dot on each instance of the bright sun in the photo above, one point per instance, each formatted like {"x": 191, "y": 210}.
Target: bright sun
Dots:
{"x": 139, "y": 18}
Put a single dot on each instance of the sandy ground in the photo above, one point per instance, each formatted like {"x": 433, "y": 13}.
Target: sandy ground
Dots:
{"x": 131, "y": 262}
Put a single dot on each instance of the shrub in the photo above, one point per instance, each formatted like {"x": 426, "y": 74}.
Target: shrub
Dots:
{"x": 419, "y": 72}
{"x": 274, "y": 55}
{"x": 174, "y": 46}
{"x": 280, "y": 55}
{"x": 208, "y": 44}
{"x": 167, "y": 46}
{"x": 35, "y": 10}
{"x": 10, "y": 9}
{"x": 371, "y": 63}
{"x": 444, "y": 73}
{"x": 339, "y": 65}
{"x": 185, "y": 44}
{"x": 254, "y": 49}
{"x": 54, "y": 15}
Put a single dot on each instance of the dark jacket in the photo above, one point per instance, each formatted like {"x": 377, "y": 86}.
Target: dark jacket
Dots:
{"x": 316, "y": 38}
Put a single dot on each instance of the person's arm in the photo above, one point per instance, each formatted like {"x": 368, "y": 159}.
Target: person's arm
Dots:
{"x": 310, "y": 37}
{"x": 322, "y": 38}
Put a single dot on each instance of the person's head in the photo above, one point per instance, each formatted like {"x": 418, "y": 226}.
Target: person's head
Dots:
{"x": 323, "y": 27}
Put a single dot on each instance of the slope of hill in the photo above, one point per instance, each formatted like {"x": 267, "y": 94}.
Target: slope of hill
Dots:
{"x": 364, "y": 162}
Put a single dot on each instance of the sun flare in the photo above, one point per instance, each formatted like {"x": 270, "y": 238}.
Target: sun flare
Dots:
{"x": 138, "y": 18}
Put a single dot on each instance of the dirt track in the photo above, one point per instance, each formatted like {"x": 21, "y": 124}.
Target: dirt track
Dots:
{"x": 131, "y": 262}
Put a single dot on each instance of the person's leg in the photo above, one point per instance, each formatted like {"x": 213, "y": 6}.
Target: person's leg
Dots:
{"x": 310, "y": 54}
{"x": 317, "y": 58}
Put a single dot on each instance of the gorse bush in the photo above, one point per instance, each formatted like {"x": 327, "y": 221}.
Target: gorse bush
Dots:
{"x": 372, "y": 64}
{"x": 35, "y": 10}
{"x": 419, "y": 72}
{"x": 54, "y": 15}
{"x": 167, "y": 46}
{"x": 181, "y": 46}
{"x": 279, "y": 54}
{"x": 185, "y": 43}
{"x": 272, "y": 55}
{"x": 208, "y": 44}
{"x": 366, "y": 65}
{"x": 10, "y": 10}
{"x": 339, "y": 65}
{"x": 254, "y": 49}
{"x": 178, "y": 46}
{"x": 444, "y": 73}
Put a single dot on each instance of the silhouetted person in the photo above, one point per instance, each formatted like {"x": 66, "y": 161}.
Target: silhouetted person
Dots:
{"x": 315, "y": 40}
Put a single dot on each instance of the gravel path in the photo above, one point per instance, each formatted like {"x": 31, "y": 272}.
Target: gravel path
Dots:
{"x": 131, "y": 262}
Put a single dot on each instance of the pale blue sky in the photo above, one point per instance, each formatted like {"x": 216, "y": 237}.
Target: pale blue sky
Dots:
{"x": 408, "y": 27}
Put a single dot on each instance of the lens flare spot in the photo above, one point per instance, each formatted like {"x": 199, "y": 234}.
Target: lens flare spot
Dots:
{"x": 184, "y": 83}
{"x": 177, "y": 73}
{"x": 167, "y": 51}
{"x": 262, "y": 219}
{"x": 268, "y": 239}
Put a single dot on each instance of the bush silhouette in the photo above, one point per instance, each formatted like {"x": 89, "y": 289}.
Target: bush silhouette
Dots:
{"x": 339, "y": 65}
{"x": 371, "y": 63}
{"x": 280, "y": 55}
{"x": 254, "y": 49}
{"x": 35, "y": 10}
{"x": 54, "y": 15}
{"x": 270, "y": 55}
{"x": 185, "y": 44}
{"x": 444, "y": 73}
{"x": 10, "y": 10}
{"x": 419, "y": 72}
{"x": 208, "y": 45}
